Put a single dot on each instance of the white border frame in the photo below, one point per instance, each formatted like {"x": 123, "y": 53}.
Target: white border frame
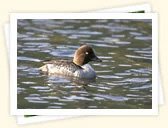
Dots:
{"x": 146, "y": 8}
{"x": 131, "y": 8}
{"x": 13, "y": 65}
{"x": 37, "y": 119}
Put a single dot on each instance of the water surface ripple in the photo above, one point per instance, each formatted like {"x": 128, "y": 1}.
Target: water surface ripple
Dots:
{"x": 123, "y": 78}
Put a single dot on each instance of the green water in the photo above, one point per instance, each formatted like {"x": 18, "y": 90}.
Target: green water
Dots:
{"x": 124, "y": 78}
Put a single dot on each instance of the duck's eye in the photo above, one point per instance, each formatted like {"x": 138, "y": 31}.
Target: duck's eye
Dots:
{"x": 86, "y": 53}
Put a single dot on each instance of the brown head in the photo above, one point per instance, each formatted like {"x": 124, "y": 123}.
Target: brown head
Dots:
{"x": 85, "y": 54}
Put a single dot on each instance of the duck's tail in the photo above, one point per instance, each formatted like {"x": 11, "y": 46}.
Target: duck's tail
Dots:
{"x": 43, "y": 68}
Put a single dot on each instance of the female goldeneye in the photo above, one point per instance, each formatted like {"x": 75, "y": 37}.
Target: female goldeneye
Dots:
{"x": 78, "y": 67}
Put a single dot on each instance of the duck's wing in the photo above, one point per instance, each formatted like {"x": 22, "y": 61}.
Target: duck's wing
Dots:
{"x": 60, "y": 66}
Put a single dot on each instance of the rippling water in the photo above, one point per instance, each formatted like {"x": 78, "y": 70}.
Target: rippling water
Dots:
{"x": 124, "y": 78}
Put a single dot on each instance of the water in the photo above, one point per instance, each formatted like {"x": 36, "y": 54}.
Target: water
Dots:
{"x": 124, "y": 78}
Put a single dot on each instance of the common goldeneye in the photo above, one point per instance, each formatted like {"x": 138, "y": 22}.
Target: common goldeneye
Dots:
{"x": 78, "y": 67}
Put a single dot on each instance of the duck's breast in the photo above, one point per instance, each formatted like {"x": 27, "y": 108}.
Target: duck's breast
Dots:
{"x": 87, "y": 72}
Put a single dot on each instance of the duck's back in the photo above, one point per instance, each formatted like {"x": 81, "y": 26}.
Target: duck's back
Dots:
{"x": 63, "y": 67}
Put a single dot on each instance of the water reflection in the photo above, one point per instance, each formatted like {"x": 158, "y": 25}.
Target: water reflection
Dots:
{"x": 123, "y": 78}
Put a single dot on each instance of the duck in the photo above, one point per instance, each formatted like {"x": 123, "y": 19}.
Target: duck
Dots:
{"x": 79, "y": 67}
